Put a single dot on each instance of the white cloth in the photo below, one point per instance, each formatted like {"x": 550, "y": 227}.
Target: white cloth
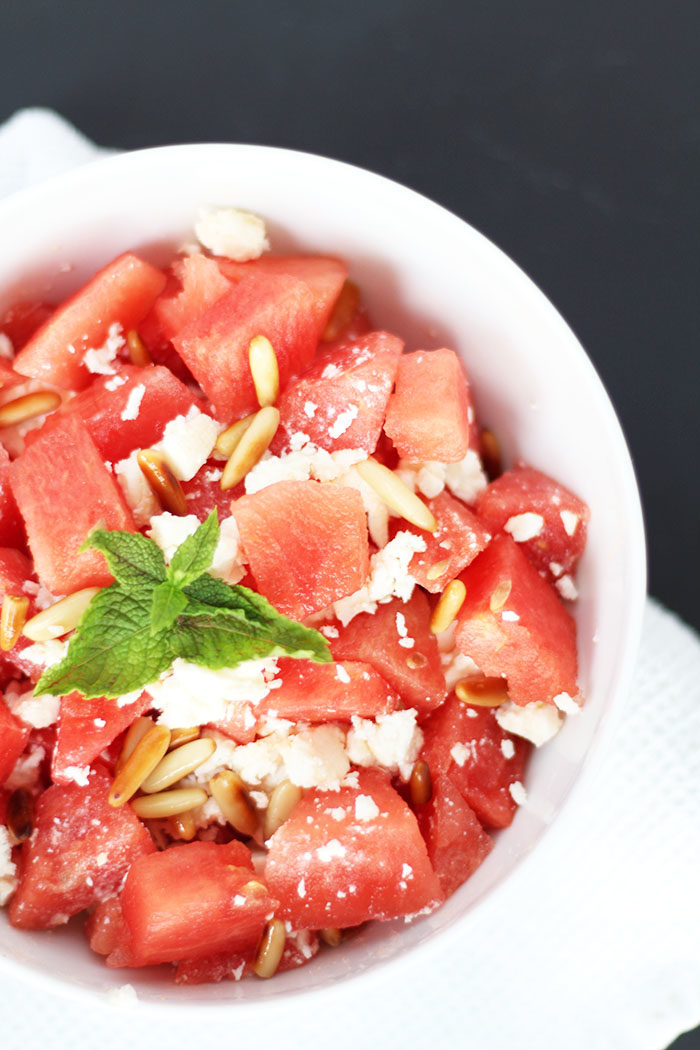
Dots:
{"x": 593, "y": 943}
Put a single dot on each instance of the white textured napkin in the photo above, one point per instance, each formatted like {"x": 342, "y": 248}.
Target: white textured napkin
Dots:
{"x": 593, "y": 943}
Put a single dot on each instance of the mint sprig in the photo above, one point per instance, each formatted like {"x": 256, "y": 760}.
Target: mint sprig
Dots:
{"x": 133, "y": 630}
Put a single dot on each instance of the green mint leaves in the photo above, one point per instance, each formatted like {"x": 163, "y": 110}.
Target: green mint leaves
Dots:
{"x": 133, "y": 630}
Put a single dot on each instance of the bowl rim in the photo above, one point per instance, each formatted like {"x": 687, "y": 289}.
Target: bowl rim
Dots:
{"x": 91, "y": 171}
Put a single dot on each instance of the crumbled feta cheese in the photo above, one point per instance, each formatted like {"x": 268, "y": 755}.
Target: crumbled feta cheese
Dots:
{"x": 507, "y": 748}
{"x": 310, "y": 409}
{"x": 460, "y": 753}
{"x": 26, "y": 772}
{"x": 36, "y": 711}
{"x": 329, "y": 631}
{"x": 567, "y": 704}
{"x": 78, "y": 774}
{"x": 313, "y": 757}
{"x": 337, "y": 813}
{"x": 99, "y": 361}
{"x": 392, "y": 741}
{"x": 375, "y": 507}
{"x": 524, "y": 527}
{"x": 536, "y": 722}
{"x": 365, "y": 808}
{"x": 137, "y": 491}
{"x": 465, "y": 479}
{"x": 304, "y": 462}
{"x": 187, "y": 442}
{"x": 341, "y": 674}
{"x": 237, "y": 234}
{"x": 7, "y": 350}
{"x": 8, "y": 871}
{"x": 555, "y": 568}
{"x": 389, "y": 578}
{"x": 115, "y": 383}
{"x": 189, "y": 695}
{"x": 343, "y": 422}
{"x": 228, "y": 562}
{"x": 170, "y": 531}
{"x": 456, "y": 666}
{"x": 301, "y": 887}
{"x": 567, "y": 588}
{"x": 509, "y": 616}
{"x": 333, "y": 850}
{"x": 569, "y": 520}
{"x": 518, "y": 793}
{"x": 124, "y": 997}
{"x": 133, "y": 403}
{"x": 45, "y": 654}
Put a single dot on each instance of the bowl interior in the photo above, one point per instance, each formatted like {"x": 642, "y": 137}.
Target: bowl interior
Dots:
{"x": 434, "y": 281}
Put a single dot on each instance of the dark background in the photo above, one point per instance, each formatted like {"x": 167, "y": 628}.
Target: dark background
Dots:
{"x": 568, "y": 133}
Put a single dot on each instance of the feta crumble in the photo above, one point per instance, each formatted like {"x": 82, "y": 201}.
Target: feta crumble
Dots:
{"x": 170, "y": 531}
{"x": 567, "y": 704}
{"x": 231, "y": 232}
{"x": 188, "y": 694}
{"x": 365, "y": 808}
{"x": 7, "y": 350}
{"x": 393, "y": 741}
{"x": 100, "y": 360}
{"x": 305, "y": 462}
{"x": 36, "y": 711}
{"x": 8, "y": 870}
{"x": 389, "y": 578}
{"x": 518, "y": 793}
{"x": 524, "y": 527}
{"x": 133, "y": 403}
{"x": 465, "y": 479}
{"x": 536, "y": 722}
{"x": 343, "y": 421}
{"x": 569, "y": 520}
{"x": 567, "y": 588}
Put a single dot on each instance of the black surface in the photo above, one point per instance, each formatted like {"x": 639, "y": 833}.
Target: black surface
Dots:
{"x": 568, "y": 133}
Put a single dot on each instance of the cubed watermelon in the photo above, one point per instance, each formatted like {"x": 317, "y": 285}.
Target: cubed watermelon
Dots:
{"x": 313, "y": 692}
{"x": 63, "y": 490}
{"x": 306, "y": 543}
{"x": 430, "y": 412}
{"x": 456, "y": 841}
{"x": 121, "y": 293}
{"x": 12, "y": 533}
{"x": 13, "y": 738}
{"x": 196, "y": 284}
{"x": 86, "y": 728}
{"x": 513, "y": 625}
{"x": 21, "y": 320}
{"x": 340, "y": 401}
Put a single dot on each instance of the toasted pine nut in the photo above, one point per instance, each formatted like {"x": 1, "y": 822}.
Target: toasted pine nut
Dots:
{"x": 136, "y": 731}
{"x": 139, "y": 765}
{"x": 421, "y": 783}
{"x": 270, "y": 949}
{"x": 168, "y": 803}
{"x": 482, "y": 692}
{"x": 282, "y": 801}
{"x": 500, "y": 595}
{"x": 178, "y": 737}
{"x": 178, "y": 763}
{"x": 264, "y": 370}
{"x": 20, "y": 814}
{"x": 416, "y": 660}
{"x": 253, "y": 443}
{"x": 332, "y": 937}
{"x": 397, "y": 495}
{"x": 490, "y": 454}
{"x": 232, "y": 799}
{"x": 254, "y": 888}
{"x": 182, "y": 826}
{"x": 343, "y": 312}
{"x": 28, "y": 407}
{"x": 162, "y": 482}
{"x": 12, "y": 620}
{"x": 61, "y": 617}
{"x": 436, "y": 571}
{"x": 229, "y": 438}
{"x": 137, "y": 349}
{"x": 451, "y": 601}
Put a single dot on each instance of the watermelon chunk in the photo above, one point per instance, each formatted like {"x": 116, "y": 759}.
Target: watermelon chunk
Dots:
{"x": 313, "y": 692}
{"x": 467, "y": 745}
{"x": 198, "y": 284}
{"x": 121, "y": 293}
{"x": 513, "y": 625}
{"x": 13, "y": 739}
{"x": 459, "y": 537}
{"x": 214, "y": 346}
{"x": 306, "y": 543}
{"x": 555, "y": 520}
{"x": 340, "y": 401}
{"x": 86, "y": 728}
{"x": 456, "y": 841}
{"x": 429, "y": 413}
{"x": 370, "y": 864}
{"x": 63, "y": 490}
{"x": 21, "y": 320}
{"x": 415, "y": 672}
{"x": 12, "y": 532}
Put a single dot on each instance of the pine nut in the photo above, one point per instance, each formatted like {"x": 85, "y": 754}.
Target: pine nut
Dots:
{"x": 12, "y": 620}
{"x": 332, "y": 937}
{"x": 490, "y": 454}
{"x": 139, "y": 765}
{"x": 416, "y": 660}
{"x": 19, "y": 815}
{"x": 178, "y": 763}
{"x": 438, "y": 569}
{"x": 178, "y": 737}
{"x": 136, "y": 731}
{"x": 28, "y": 407}
{"x": 451, "y": 601}
{"x": 421, "y": 783}
{"x": 270, "y": 949}
{"x": 182, "y": 826}
{"x": 229, "y": 438}
{"x": 264, "y": 370}
{"x": 137, "y": 349}
{"x": 500, "y": 595}
{"x": 397, "y": 496}
{"x": 343, "y": 312}
{"x": 482, "y": 692}
{"x": 162, "y": 482}
{"x": 252, "y": 445}
{"x": 168, "y": 803}
{"x": 282, "y": 801}
{"x": 232, "y": 799}
{"x": 61, "y": 617}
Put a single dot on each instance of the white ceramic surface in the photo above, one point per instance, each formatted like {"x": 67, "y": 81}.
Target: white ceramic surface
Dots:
{"x": 435, "y": 281}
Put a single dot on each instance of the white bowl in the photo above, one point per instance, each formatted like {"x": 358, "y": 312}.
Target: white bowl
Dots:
{"x": 435, "y": 281}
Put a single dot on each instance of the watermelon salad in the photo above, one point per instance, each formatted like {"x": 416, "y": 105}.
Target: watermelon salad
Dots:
{"x": 237, "y": 815}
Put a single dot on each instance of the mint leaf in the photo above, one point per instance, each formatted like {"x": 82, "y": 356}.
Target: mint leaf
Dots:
{"x": 195, "y": 555}
{"x": 133, "y": 559}
{"x": 166, "y": 605}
